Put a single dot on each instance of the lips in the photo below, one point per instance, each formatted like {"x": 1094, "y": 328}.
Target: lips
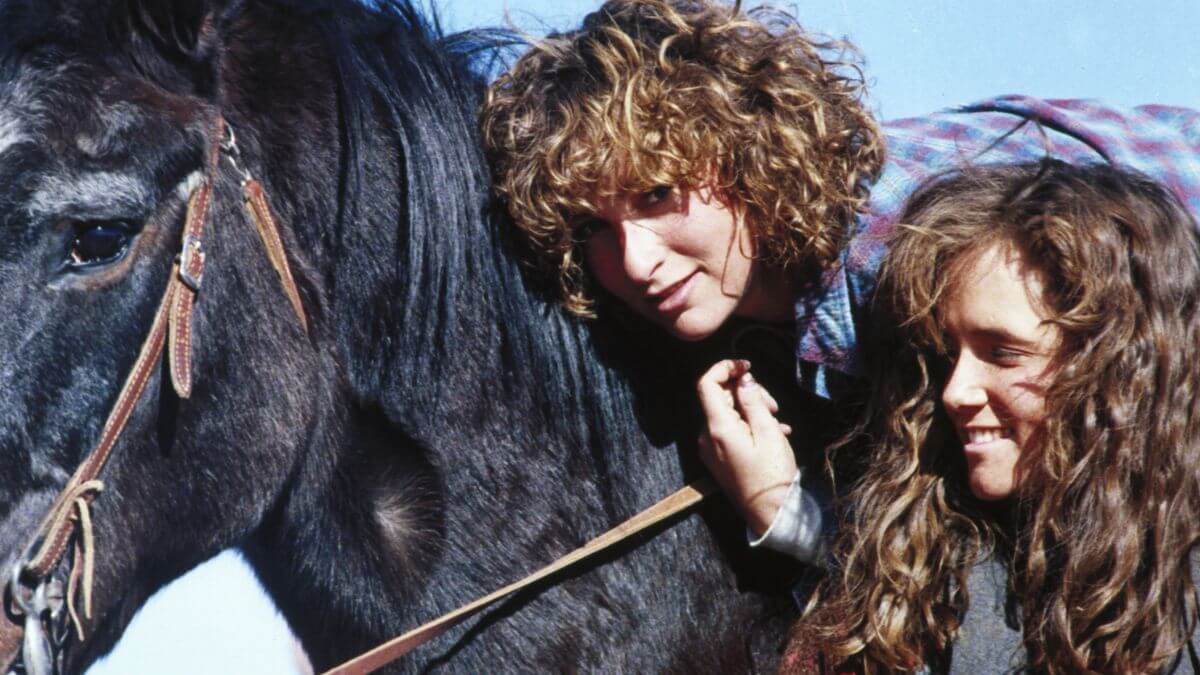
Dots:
{"x": 986, "y": 435}
{"x": 983, "y": 440}
{"x": 674, "y": 297}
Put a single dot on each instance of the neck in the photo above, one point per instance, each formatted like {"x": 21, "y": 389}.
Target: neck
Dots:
{"x": 771, "y": 295}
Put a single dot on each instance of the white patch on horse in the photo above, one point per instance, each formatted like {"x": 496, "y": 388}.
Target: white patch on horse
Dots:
{"x": 11, "y": 133}
{"x": 397, "y": 503}
{"x": 395, "y": 517}
{"x": 115, "y": 120}
{"x": 185, "y": 188}
{"x": 102, "y": 192}
{"x": 90, "y": 145}
{"x": 19, "y": 108}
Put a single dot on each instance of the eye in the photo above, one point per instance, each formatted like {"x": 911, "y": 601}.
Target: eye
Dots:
{"x": 653, "y": 197}
{"x": 951, "y": 349}
{"x": 98, "y": 243}
{"x": 1005, "y": 356}
{"x": 586, "y": 228}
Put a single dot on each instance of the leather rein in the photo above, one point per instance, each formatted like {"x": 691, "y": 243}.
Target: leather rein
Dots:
{"x": 34, "y": 628}
{"x": 678, "y": 502}
{"x": 39, "y": 613}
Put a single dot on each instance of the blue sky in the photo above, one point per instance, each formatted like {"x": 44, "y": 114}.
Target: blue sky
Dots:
{"x": 921, "y": 55}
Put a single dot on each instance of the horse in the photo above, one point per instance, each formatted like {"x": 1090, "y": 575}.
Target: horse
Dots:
{"x": 438, "y": 430}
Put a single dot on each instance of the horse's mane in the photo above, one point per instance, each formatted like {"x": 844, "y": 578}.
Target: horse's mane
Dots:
{"x": 393, "y": 62}
{"x": 441, "y": 272}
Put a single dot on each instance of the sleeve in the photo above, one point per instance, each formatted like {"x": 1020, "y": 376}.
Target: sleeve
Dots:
{"x": 799, "y": 528}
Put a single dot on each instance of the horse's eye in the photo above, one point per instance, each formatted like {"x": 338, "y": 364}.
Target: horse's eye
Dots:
{"x": 97, "y": 243}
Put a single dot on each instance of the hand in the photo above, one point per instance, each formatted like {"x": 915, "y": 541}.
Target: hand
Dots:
{"x": 744, "y": 446}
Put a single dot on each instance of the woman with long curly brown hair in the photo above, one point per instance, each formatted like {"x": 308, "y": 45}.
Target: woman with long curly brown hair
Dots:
{"x": 708, "y": 166}
{"x": 1034, "y": 435}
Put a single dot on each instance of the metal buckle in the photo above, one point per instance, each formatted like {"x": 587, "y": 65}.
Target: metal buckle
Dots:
{"x": 45, "y": 632}
{"x": 19, "y": 595}
{"x": 40, "y": 652}
{"x": 192, "y": 246}
{"x": 231, "y": 151}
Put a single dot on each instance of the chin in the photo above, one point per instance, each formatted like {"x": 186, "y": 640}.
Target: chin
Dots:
{"x": 694, "y": 328}
{"x": 991, "y": 488}
{"x": 689, "y": 336}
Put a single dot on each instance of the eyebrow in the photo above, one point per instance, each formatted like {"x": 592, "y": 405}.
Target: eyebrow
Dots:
{"x": 1000, "y": 334}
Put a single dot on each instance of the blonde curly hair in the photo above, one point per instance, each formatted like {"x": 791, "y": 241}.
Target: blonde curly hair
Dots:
{"x": 650, "y": 93}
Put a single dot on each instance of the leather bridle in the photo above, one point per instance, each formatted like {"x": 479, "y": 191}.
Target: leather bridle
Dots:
{"x": 670, "y": 506}
{"x": 34, "y": 626}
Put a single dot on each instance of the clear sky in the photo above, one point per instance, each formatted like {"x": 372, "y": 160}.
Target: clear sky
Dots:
{"x": 921, "y": 55}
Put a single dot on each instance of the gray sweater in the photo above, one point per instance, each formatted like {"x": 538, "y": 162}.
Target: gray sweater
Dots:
{"x": 988, "y": 642}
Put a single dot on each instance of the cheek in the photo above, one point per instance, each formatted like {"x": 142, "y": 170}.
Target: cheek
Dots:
{"x": 1025, "y": 403}
{"x": 603, "y": 258}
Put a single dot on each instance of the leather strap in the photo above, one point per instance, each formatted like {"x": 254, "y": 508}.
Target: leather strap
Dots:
{"x": 11, "y": 636}
{"x": 268, "y": 231}
{"x": 55, "y": 531}
{"x": 186, "y": 281}
{"x": 172, "y": 320}
{"x": 680, "y": 501}
{"x": 49, "y": 542}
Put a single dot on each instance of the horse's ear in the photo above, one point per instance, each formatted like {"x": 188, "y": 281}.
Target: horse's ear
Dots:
{"x": 177, "y": 43}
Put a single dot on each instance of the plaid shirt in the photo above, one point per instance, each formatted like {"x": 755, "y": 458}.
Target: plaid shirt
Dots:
{"x": 1159, "y": 141}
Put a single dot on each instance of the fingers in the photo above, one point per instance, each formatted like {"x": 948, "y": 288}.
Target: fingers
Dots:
{"x": 772, "y": 404}
{"x": 718, "y": 390}
{"x": 715, "y": 390}
{"x": 754, "y": 404}
{"x": 743, "y": 446}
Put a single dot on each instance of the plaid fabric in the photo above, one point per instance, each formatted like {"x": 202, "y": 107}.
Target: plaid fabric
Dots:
{"x": 1159, "y": 141}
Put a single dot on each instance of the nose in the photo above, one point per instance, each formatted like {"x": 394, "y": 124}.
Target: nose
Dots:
{"x": 642, "y": 251}
{"x": 965, "y": 388}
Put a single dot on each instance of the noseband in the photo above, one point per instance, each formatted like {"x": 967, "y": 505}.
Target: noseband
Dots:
{"x": 34, "y": 629}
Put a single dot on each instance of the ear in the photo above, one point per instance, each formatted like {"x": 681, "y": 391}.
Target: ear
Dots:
{"x": 176, "y": 43}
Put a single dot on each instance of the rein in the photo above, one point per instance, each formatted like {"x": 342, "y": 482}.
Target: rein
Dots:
{"x": 678, "y": 502}
{"x": 33, "y": 629}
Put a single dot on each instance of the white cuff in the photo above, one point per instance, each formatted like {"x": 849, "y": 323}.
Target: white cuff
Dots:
{"x": 797, "y": 527}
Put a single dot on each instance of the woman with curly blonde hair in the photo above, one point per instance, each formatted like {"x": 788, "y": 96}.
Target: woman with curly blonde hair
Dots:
{"x": 708, "y": 166}
{"x": 1034, "y": 433}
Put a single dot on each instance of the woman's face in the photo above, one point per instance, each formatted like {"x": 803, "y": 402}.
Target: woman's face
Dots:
{"x": 995, "y": 395}
{"x": 682, "y": 259}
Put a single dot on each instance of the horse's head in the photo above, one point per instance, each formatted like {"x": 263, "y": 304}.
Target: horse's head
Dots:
{"x": 108, "y": 115}
{"x": 365, "y": 467}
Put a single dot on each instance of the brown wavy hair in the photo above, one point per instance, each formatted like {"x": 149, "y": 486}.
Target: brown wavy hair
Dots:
{"x": 1099, "y": 536}
{"x": 649, "y": 93}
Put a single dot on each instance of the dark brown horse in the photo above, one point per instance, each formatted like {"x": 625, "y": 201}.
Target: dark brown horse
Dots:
{"x": 440, "y": 431}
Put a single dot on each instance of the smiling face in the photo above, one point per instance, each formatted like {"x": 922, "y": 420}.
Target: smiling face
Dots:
{"x": 682, "y": 259}
{"x": 995, "y": 395}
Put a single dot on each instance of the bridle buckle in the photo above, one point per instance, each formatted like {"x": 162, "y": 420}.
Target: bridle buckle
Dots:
{"x": 193, "y": 250}
{"x": 45, "y": 634}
